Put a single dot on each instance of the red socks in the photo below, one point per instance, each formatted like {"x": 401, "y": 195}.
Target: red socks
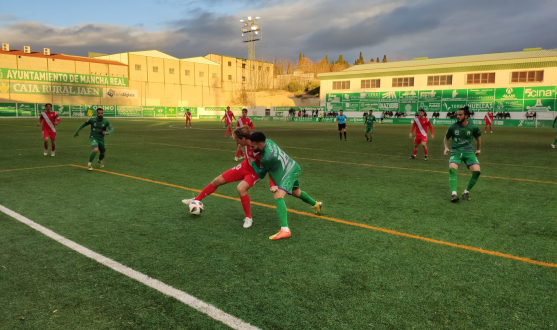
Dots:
{"x": 45, "y": 145}
{"x": 238, "y": 153}
{"x": 246, "y": 205}
{"x": 205, "y": 192}
{"x": 425, "y": 151}
{"x": 53, "y": 146}
{"x": 415, "y": 152}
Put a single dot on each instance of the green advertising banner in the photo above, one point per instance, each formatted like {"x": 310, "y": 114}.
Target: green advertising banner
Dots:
{"x": 334, "y": 97}
{"x": 409, "y": 108}
{"x": 370, "y": 97}
{"x": 351, "y": 106}
{"x": 508, "y": 105}
{"x": 539, "y": 105}
{"x": 129, "y": 111}
{"x": 390, "y": 106}
{"x": 335, "y": 107}
{"x": 222, "y": 108}
{"x": 366, "y": 106}
{"x": 48, "y": 89}
{"x": 108, "y": 110}
{"x": 389, "y": 96}
{"x": 351, "y": 97}
{"x": 26, "y": 109}
{"x": 160, "y": 111}
{"x": 430, "y": 96}
{"x": 430, "y": 106}
{"x": 455, "y": 95}
{"x": 543, "y": 92}
{"x": 409, "y": 97}
{"x": 170, "y": 112}
{"x": 452, "y": 105}
{"x": 480, "y": 106}
{"x": 509, "y": 93}
{"x": 211, "y": 117}
{"x": 78, "y": 111}
{"x": 8, "y": 109}
{"x": 148, "y": 111}
{"x": 59, "y": 77}
{"x": 481, "y": 94}
{"x": 181, "y": 111}
{"x": 63, "y": 110}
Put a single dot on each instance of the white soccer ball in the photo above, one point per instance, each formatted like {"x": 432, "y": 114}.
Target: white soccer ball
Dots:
{"x": 196, "y": 207}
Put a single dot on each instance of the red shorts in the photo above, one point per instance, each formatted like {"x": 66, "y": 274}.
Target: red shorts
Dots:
{"x": 241, "y": 172}
{"x": 50, "y": 134}
{"x": 419, "y": 139}
{"x": 188, "y": 119}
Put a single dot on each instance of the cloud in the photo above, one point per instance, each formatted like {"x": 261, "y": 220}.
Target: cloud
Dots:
{"x": 396, "y": 28}
{"x": 7, "y": 18}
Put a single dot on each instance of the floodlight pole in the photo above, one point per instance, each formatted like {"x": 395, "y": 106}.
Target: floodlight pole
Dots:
{"x": 251, "y": 33}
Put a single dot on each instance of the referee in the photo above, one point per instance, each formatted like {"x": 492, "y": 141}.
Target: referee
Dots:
{"x": 341, "y": 121}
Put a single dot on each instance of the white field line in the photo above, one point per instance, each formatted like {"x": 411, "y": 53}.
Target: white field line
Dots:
{"x": 187, "y": 299}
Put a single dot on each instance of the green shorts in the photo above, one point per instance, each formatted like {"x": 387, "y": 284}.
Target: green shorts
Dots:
{"x": 369, "y": 129}
{"x": 290, "y": 180}
{"x": 468, "y": 157}
{"x": 97, "y": 143}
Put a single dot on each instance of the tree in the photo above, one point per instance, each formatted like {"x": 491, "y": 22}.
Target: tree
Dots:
{"x": 384, "y": 59}
{"x": 288, "y": 69}
{"x": 340, "y": 60}
{"x": 360, "y": 60}
{"x": 323, "y": 66}
{"x": 378, "y": 60}
{"x": 372, "y": 61}
{"x": 327, "y": 58}
{"x": 300, "y": 57}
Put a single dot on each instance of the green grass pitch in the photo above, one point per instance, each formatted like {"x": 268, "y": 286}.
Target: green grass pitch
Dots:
{"x": 328, "y": 275}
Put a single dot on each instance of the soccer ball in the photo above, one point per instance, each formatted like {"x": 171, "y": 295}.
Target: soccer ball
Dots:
{"x": 196, "y": 207}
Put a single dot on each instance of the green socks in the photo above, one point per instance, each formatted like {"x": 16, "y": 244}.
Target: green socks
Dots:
{"x": 92, "y": 156}
{"x": 307, "y": 199}
{"x": 453, "y": 180}
{"x": 555, "y": 141}
{"x": 101, "y": 157}
{"x": 282, "y": 212}
{"x": 473, "y": 180}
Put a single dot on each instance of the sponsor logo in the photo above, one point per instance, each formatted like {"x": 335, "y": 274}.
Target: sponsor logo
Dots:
{"x": 535, "y": 93}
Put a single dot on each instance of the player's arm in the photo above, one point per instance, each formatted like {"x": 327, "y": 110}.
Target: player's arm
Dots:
{"x": 81, "y": 127}
{"x": 57, "y": 121}
{"x": 413, "y": 128}
{"x": 250, "y": 125}
{"x": 40, "y": 120}
{"x": 365, "y": 121}
{"x": 477, "y": 135}
{"x": 430, "y": 127}
{"x": 261, "y": 172}
{"x": 110, "y": 129}
{"x": 446, "y": 142}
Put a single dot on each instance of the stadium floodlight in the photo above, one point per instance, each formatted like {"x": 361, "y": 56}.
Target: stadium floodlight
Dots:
{"x": 251, "y": 33}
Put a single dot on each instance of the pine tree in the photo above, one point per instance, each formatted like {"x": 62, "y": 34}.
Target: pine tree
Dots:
{"x": 300, "y": 57}
{"x": 372, "y": 61}
{"x": 378, "y": 60}
{"x": 384, "y": 59}
{"x": 340, "y": 60}
{"x": 361, "y": 59}
{"x": 327, "y": 58}
{"x": 288, "y": 68}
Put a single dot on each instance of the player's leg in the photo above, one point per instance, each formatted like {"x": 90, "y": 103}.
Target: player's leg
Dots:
{"x": 102, "y": 149}
{"x": 474, "y": 167}
{"x": 485, "y": 129}
{"x": 239, "y": 153}
{"x": 454, "y": 163}
{"x": 345, "y": 134}
{"x": 416, "y": 144}
{"x": 231, "y": 175}
{"x": 53, "y": 143}
{"x": 365, "y": 134}
{"x": 45, "y": 138}
{"x": 339, "y": 132}
{"x": 424, "y": 144}
{"x": 95, "y": 149}
{"x": 370, "y": 136}
{"x": 243, "y": 187}
{"x": 298, "y": 193}
{"x": 554, "y": 141}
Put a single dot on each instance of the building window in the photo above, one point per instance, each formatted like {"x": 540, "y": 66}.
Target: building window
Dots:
{"x": 259, "y": 68}
{"x": 243, "y": 78}
{"x": 201, "y": 74}
{"x": 403, "y": 82}
{"x": 155, "y": 69}
{"x": 138, "y": 67}
{"x": 229, "y": 63}
{"x": 480, "y": 78}
{"x": 439, "y": 80}
{"x": 371, "y": 83}
{"x": 187, "y": 72}
{"x": 341, "y": 84}
{"x": 527, "y": 76}
{"x": 213, "y": 75}
{"x": 229, "y": 77}
{"x": 171, "y": 70}
{"x": 243, "y": 65}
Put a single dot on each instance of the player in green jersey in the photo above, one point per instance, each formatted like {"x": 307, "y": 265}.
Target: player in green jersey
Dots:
{"x": 554, "y": 141}
{"x": 285, "y": 172}
{"x": 99, "y": 128}
{"x": 463, "y": 132}
{"x": 369, "y": 125}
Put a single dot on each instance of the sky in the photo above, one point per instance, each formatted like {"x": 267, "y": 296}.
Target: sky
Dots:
{"x": 400, "y": 29}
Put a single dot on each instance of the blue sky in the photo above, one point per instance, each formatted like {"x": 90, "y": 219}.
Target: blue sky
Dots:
{"x": 400, "y": 29}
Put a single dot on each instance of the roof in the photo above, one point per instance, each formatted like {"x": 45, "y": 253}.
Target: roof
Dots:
{"x": 497, "y": 61}
{"x": 200, "y": 60}
{"x": 240, "y": 58}
{"x": 16, "y": 52}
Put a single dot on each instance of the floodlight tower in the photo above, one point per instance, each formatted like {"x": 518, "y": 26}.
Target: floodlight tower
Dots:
{"x": 251, "y": 33}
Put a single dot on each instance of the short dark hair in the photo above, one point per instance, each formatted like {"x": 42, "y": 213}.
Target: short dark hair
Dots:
{"x": 421, "y": 110}
{"x": 100, "y": 109}
{"x": 244, "y": 109}
{"x": 466, "y": 111}
{"x": 48, "y": 104}
{"x": 257, "y": 137}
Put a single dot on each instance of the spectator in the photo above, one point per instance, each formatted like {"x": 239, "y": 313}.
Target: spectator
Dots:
{"x": 382, "y": 116}
{"x": 320, "y": 116}
{"x": 299, "y": 113}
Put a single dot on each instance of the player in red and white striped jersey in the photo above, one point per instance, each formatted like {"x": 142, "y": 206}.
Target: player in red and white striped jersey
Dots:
{"x": 488, "y": 121}
{"x": 420, "y": 124}
{"x": 228, "y": 117}
{"x": 49, "y": 119}
{"x": 242, "y": 172}
{"x": 188, "y": 117}
{"x": 243, "y": 121}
